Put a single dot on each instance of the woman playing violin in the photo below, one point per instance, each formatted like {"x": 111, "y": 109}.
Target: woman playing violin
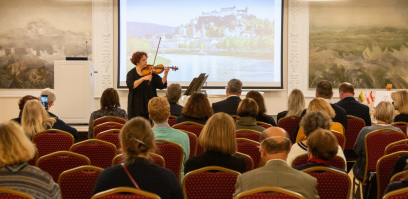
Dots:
{"x": 142, "y": 88}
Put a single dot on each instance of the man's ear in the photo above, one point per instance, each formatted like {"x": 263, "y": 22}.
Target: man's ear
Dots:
{"x": 331, "y": 95}
{"x": 316, "y": 94}
{"x": 226, "y": 91}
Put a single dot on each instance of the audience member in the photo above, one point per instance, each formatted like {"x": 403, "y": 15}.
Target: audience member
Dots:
{"x": 296, "y": 104}
{"x": 262, "y": 116}
{"x": 399, "y": 184}
{"x": 15, "y": 150}
{"x": 197, "y": 109}
{"x": 351, "y": 105}
{"x": 110, "y": 106}
{"x": 35, "y": 119}
{"x": 247, "y": 112}
{"x": 173, "y": 94}
{"x": 218, "y": 140}
{"x": 230, "y": 105}
{"x": 400, "y": 99}
{"x": 400, "y": 165}
{"x": 322, "y": 146}
{"x": 137, "y": 141}
{"x": 274, "y": 149}
{"x": 21, "y": 104}
{"x": 384, "y": 114}
{"x": 310, "y": 122}
{"x": 159, "y": 111}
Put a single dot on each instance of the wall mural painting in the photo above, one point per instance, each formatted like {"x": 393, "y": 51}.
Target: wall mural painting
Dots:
{"x": 364, "y": 42}
{"x": 35, "y": 33}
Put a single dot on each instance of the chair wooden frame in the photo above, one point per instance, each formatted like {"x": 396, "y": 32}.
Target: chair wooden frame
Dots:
{"x": 106, "y": 117}
{"x": 15, "y": 192}
{"x": 342, "y": 135}
{"x": 108, "y": 131}
{"x": 182, "y": 155}
{"x": 62, "y": 153}
{"x": 196, "y": 145}
{"x": 209, "y": 168}
{"x": 397, "y": 176}
{"x": 127, "y": 190}
{"x": 396, "y": 192}
{"x": 248, "y": 131}
{"x": 93, "y": 129}
{"x": 263, "y": 124}
{"x": 394, "y": 143}
{"x": 254, "y": 143}
{"x": 269, "y": 189}
{"x": 247, "y": 157}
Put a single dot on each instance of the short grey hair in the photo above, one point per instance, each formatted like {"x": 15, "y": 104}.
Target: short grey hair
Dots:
{"x": 234, "y": 86}
{"x": 173, "y": 93}
{"x": 50, "y": 93}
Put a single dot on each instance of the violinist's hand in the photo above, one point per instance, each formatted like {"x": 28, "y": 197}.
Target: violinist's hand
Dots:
{"x": 166, "y": 70}
{"x": 147, "y": 77}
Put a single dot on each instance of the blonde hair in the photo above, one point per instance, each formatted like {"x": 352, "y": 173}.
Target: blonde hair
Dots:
{"x": 159, "y": 109}
{"x": 218, "y": 134}
{"x": 15, "y": 147}
{"x": 35, "y": 118}
{"x": 320, "y": 104}
{"x": 384, "y": 112}
{"x": 296, "y": 103}
{"x": 400, "y": 101}
{"x": 137, "y": 137}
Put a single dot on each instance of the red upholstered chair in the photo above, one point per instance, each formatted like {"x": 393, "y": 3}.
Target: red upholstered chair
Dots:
{"x": 341, "y": 139}
{"x": 397, "y": 194}
{"x": 398, "y": 176}
{"x": 115, "y": 193}
{"x": 193, "y": 143}
{"x": 155, "y": 158}
{"x": 401, "y": 125}
{"x": 35, "y": 158}
{"x": 354, "y": 126}
{"x": 375, "y": 143}
{"x": 300, "y": 160}
{"x": 193, "y": 128}
{"x": 209, "y": 182}
{"x": 111, "y": 136}
{"x": 57, "y": 162}
{"x": 401, "y": 145}
{"x": 248, "y": 160}
{"x": 250, "y": 148}
{"x": 248, "y": 134}
{"x": 384, "y": 168}
{"x": 79, "y": 182}
{"x": 263, "y": 124}
{"x": 104, "y": 119}
{"x": 173, "y": 155}
{"x": 13, "y": 194}
{"x": 172, "y": 120}
{"x": 106, "y": 126}
{"x": 269, "y": 192}
{"x": 52, "y": 140}
{"x": 290, "y": 123}
{"x": 336, "y": 161}
{"x": 331, "y": 183}
{"x": 99, "y": 152}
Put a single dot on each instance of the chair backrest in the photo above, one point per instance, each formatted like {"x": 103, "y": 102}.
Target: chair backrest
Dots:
{"x": 52, "y": 140}
{"x": 210, "y": 182}
{"x": 99, "y": 152}
{"x": 78, "y": 182}
{"x": 13, "y": 194}
{"x": 248, "y": 160}
{"x": 111, "y": 136}
{"x": 172, "y": 120}
{"x": 341, "y": 139}
{"x": 269, "y": 192}
{"x": 401, "y": 125}
{"x": 336, "y": 161}
{"x": 248, "y": 134}
{"x": 155, "y": 158}
{"x": 250, "y": 148}
{"x": 172, "y": 154}
{"x": 401, "y": 145}
{"x": 263, "y": 124}
{"x": 384, "y": 168}
{"x": 104, "y": 119}
{"x": 300, "y": 160}
{"x": 115, "y": 193}
{"x": 193, "y": 143}
{"x": 354, "y": 126}
{"x": 106, "y": 126}
{"x": 192, "y": 127}
{"x": 35, "y": 158}
{"x": 331, "y": 183}
{"x": 398, "y": 176}
{"x": 397, "y": 194}
{"x": 57, "y": 162}
{"x": 289, "y": 123}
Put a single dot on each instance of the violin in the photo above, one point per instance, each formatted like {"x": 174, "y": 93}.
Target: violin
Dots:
{"x": 150, "y": 69}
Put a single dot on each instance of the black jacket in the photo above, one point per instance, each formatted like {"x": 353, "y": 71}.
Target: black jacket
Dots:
{"x": 228, "y": 106}
{"x": 355, "y": 108}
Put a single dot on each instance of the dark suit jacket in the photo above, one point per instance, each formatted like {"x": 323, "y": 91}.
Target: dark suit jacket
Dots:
{"x": 355, "y": 108}
{"x": 266, "y": 118}
{"x": 401, "y": 118}
{"x": 228, "y": 106}
{"x": 175, "y": 109}
{"x": 213, "y": 158}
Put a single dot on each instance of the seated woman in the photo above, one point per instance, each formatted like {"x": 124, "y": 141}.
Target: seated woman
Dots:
{"x": 173, "y": 94}
{"x": 322, "y": 146}
{"x": 197, "y": 109}
{"x": 384, "y": 114}
{"x": 320, "y": 104}
{"x": 35, "y": 119}
{"x": 310, "y": 122}
{"x": 247, "y": 112}
{"x": 137, "y": 140}
{"x": 110, "y": 106}
{"x": 218, "y": 140}
{"x": 15, "y": 150}
{"x": 402, "y": 161}
{"x": 296, "y": 104}
{"x": 401, "y": 105}
{"x": 262, "y": 116}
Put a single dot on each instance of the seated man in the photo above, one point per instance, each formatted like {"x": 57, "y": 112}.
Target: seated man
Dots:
{"x": 275, "y": 146}
{"x": 230, "y": 105}
{"x": 159, "y": 112}
{"x": 173, "y": 94}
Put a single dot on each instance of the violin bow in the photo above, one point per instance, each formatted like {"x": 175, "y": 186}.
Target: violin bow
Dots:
{"x": 154, "y": 61}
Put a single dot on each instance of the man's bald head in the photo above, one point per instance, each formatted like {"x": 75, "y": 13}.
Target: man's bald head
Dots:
{"x": 273, "y": 131}
{"x": 275, "y": 140}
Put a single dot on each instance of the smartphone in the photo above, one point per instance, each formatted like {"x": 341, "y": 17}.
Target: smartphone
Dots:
{"x": 44, "y": 101}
